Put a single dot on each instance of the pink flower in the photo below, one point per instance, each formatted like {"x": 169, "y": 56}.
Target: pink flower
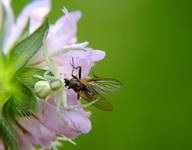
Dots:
{"x": 43, "y": 127}
{"x": 62, "y": 44}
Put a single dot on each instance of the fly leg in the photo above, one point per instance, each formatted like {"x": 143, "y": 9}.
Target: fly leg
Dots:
{"x": 79, "y": 73}
{"x": 73, "y": 69}
{"x": 80, "y": 69}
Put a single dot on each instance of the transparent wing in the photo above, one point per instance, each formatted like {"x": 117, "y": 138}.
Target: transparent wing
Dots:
{"x": 102, "y": 85}
{"x": 100, "y": 103}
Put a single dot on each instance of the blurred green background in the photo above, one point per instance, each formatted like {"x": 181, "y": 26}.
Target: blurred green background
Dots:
{"x": 148, "y": 45}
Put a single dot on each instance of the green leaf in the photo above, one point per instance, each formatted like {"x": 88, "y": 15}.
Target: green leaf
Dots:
{"x": 7, "y": 133}
{"x": 21, "y": 54}
{"x": 27, "y": 76}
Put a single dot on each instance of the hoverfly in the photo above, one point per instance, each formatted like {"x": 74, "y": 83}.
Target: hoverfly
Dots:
{"x": 92, "y": 88}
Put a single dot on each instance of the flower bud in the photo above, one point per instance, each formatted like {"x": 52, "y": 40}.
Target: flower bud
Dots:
{"x": 42, "y": 89}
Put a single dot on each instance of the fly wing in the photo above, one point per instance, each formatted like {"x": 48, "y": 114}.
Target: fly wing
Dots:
{"x": 102, "y": 85}
{"x": 100, "y": 103}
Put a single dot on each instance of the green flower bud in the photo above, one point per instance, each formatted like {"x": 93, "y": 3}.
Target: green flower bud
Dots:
{"x": 42, "y": 89}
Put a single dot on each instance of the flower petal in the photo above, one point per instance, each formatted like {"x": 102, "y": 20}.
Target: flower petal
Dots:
{"x": 40, "y": 134}
{"x": 65, "y": 67}
{"x": 63, "y": 32}
{"x": 68, "y": 122}
{"x": 1, "y": 145}
{"x": 53, "y": 120}
{"x": 36, "y": 11}
{"x": 78, "y": 120}
{"x": 96, "y": 55}
{"x": 24, "y": 138}
{"x": 9, "y": 23}
{"x": 72, "y": 97}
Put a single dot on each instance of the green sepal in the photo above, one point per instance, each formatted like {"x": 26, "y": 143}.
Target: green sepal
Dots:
{"x": 24, "y": 100}
{"x": 7, "y": 131}
{"x": 21, "y": 103}
{"x": 21, "y": 54}
{"x": 25, "y": 32}
{"x": 27, "y": 76}
{"x": 4, "y": 82}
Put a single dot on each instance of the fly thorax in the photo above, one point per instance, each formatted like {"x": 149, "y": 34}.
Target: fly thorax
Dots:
{"x": 75, "y": 85}
{"x": 56, "y": 84}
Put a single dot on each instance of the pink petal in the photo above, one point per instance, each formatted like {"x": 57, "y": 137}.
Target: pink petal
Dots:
{"x": 36, "y": 11}
{"x": 72, "y": 97}
{"x": 68, "y": 122}
{"x": 76, "y": 15}
{"x": 10, "y": 23}
{"x": 1, "y": 145}
{"x": 40, "y": 134}
{"x": 63, "y": 32}
{"x": 55, "y": 121}
{"x": 78, "y": 120}
{"x": 96, "y": 55}
{"x": 91, "y": 54}
{"x": 81, "y": 58}
{"x": 65, "y": 66}
{"x": 25, "y": 139}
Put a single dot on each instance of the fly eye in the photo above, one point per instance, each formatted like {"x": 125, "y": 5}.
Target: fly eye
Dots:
{"x": 67, "y": 82}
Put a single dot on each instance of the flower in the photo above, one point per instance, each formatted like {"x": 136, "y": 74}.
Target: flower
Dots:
{"x": 62, "y": 44}
{"x": 45, "y": 125}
